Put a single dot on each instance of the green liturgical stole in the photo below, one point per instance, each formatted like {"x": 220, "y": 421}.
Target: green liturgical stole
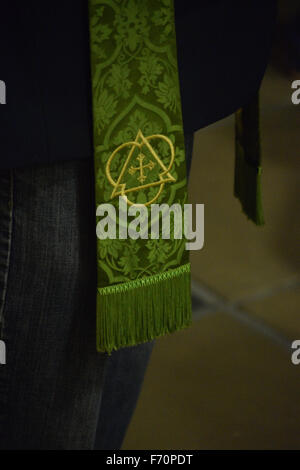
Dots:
{"x": 143, "y": 283}
{"x": 144, "y": 275}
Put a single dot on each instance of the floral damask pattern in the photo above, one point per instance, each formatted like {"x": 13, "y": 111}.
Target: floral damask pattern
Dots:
{"x": 131, "y": 24}
{"x": 135, "y": 87}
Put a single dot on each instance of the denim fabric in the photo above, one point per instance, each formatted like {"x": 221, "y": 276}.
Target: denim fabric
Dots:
{"x": 124, "y": 377}
{"x": 56, "y": 390}
{"x": 52, "y": 383}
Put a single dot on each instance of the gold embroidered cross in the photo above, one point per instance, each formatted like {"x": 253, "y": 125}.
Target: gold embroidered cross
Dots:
{"x": 141, "y": 168}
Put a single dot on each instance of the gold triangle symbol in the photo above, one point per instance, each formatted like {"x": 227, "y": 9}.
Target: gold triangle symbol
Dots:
{"x": 119, "y": 187}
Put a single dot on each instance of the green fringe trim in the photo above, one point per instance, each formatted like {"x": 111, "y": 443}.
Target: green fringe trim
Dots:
{"x": 248, "y": 170}
{"x": 138, "y": 311}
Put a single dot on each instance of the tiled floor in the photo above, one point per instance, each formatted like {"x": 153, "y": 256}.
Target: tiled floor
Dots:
{"x": 228, "y": 381}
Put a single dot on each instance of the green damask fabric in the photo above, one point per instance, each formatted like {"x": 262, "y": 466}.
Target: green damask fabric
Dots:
{"x": 143, "y": 284}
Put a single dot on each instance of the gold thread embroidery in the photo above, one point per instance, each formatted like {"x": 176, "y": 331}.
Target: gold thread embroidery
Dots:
{"x": 119, "y": 188}
{"x": 141, "y": 168}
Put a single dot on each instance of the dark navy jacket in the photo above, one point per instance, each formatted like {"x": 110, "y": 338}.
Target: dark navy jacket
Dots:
{"x": 223, "y": 49}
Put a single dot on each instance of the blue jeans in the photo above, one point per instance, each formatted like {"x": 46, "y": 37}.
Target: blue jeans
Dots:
{"x": 56, "y": 390}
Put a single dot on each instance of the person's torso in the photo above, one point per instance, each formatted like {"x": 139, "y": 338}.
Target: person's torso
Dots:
{"x": 223, "y": 49}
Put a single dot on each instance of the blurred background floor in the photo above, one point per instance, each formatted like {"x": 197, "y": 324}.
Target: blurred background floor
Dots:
{"x": 228, "y": 381}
